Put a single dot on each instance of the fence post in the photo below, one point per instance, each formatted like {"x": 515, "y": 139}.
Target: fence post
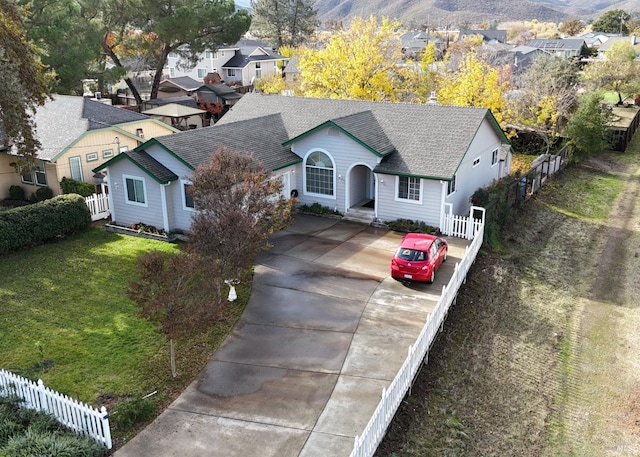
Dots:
{"x": 106, "y": 431}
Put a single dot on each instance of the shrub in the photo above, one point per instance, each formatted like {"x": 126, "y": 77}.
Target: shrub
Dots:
{"x": 44, "y": 193}
{"x": 33, "y": 224}
{"x": 71, "y": 186}
{"x": 317, "y": 208}
{"x": 16, "y": 193}
{"x": 35, "y": 443}
{"x": 133, "y": 412}
{"x": 407, "y": 225}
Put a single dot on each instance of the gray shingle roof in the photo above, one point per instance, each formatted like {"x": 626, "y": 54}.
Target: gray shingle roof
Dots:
{"x": 183, "y": 82}
{"x": 101, "y": 115}
{"x": 156, "y": 169}
{"x": 430, "y": 140}
{"x": 261, "y": 137}
{"x": 365, "y": 127}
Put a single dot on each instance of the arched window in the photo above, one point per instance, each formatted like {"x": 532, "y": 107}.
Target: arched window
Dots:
{"x": 320, "y": 173}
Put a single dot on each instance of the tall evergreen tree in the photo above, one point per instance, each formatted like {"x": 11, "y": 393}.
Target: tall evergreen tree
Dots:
{"x": 284, "y": 22}
{"x": 156, "y": 28}
{"x": 24, "y": 84}
{"x": 70, "y": 39}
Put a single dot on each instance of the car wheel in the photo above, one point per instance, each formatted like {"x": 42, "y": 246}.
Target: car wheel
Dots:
{"x": 433, "y": 276}
{"x": 445, "y": 255}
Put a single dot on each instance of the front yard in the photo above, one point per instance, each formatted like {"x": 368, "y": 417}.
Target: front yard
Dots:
{"x": 66, "y": 319}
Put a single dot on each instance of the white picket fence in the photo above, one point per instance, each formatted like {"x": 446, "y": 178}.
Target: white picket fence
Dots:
{"x": 98, "y": 205}
{"x": 77, "y": 416}
{"x": 418, "y": 353}
{"x": 463, "y": 226}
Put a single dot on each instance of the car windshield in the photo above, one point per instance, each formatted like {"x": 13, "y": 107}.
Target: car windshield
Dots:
{"x": 411, "y": 255}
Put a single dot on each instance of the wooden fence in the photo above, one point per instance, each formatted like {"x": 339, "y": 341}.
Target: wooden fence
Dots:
{"x": 98, "y": 205}
{"x": 543, "y": 167}
{"x": 418, "y": 353}
{"x": 76, "y": 416}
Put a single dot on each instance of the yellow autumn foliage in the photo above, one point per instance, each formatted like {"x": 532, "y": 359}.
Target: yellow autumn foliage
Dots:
{"x": 359, "y": 63}
{"x": 474, "y": 84}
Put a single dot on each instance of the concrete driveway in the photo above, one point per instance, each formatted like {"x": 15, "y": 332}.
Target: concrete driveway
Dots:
{"x": 325, "y": 330}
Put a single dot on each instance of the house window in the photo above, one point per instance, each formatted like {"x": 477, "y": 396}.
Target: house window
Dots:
{"x": 27, "y": 178}
{"x": 451, "y": 187}
{"x": 231, "y": 71}
{"x": 41, "y": 177}
{"x": 319, "y": 173}
{"x": 124, "y": 148}
{"x": 91, "y": 156}
{"x": 75, "y": 164}
{"x": 172, "y": 72}
{"x": 107, "y": 153}
{"x": 140, "y": 133}
{"x": 215, "y": 54}
{"x": 408, "y": 188}
{"x": 258, "y": 70}
{"x": 208, "y": 55}
{"x": 476, "y": 162}
{"x": 202, "y": 72}
{"x": 494, "y": 157}
{"x": 187, "y": 199}
{"x": 135, "y": 190}
{"x": 173, "y": 55}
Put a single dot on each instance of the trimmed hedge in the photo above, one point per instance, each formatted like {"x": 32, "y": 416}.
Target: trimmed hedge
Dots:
{"x": 71, "y": 186}
{"x": 33, "y": 224}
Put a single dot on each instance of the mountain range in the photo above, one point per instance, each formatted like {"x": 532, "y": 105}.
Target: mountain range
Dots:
{"x": 455, "y": 13}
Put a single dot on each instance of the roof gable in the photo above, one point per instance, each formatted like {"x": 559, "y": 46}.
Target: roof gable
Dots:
{"x": 361, "y": 127}
{"x": 144, "y": 162}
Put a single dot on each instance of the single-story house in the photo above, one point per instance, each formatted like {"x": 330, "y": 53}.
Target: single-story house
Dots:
{"x": 391, "y": 160}
{"x": 565, "y": 48}
{"x": 76, "y": 135}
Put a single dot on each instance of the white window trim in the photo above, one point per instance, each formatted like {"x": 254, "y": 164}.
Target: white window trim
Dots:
{"x": 202, "y": 71}
{"x": 144, "y": 190}
{"x": 475, "y": 162}
{"x": 35, "y": 176}
{"x": 304, "y": 176}
{"x": 91, "y": 156}
{"x": 497, "y": 156}
{"x": 107, "y": 153}
{"x": 32, "y": 182}
{"x": 454, "y": 185}
{"x": 80, "y": 163}
{"x": 183, "y": 193}
{"x": 408, "y": 200}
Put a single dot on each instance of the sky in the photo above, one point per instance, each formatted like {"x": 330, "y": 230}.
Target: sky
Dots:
{"x": 243, "y": 3}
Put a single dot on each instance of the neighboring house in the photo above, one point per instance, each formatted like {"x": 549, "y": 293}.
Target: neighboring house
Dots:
{"x": 414, "y": 43}
{"x": 488, "y": 36}
{"x": 76, "y": 135}
{"x": 291, "y": 71}
{"x": 241, "y": 63}
{"x": 596, "y": 39}
{"x": 567, "y": 48}
{"x": 393, "y": 160}
{"x": 176, "y": 87}
{"x": 606, "y": 46}
{"x": 519, "y": 58}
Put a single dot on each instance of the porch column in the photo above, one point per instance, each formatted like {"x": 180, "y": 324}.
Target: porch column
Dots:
{"x": 163, "y": 201}
{"x": 443, "y": 196}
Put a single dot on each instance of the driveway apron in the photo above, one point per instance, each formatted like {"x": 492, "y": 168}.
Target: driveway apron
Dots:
{"x": 325, "y": 330}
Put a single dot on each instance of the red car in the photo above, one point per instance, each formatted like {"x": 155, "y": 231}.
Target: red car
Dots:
{"x": 418, "y": 257}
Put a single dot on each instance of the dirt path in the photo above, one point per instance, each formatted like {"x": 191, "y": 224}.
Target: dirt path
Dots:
{"x": 602, "y": 399}
{"x": 541, "y": 354}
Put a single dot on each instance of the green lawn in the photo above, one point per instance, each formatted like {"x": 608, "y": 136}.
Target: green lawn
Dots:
{"x": 65, "y": 318}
